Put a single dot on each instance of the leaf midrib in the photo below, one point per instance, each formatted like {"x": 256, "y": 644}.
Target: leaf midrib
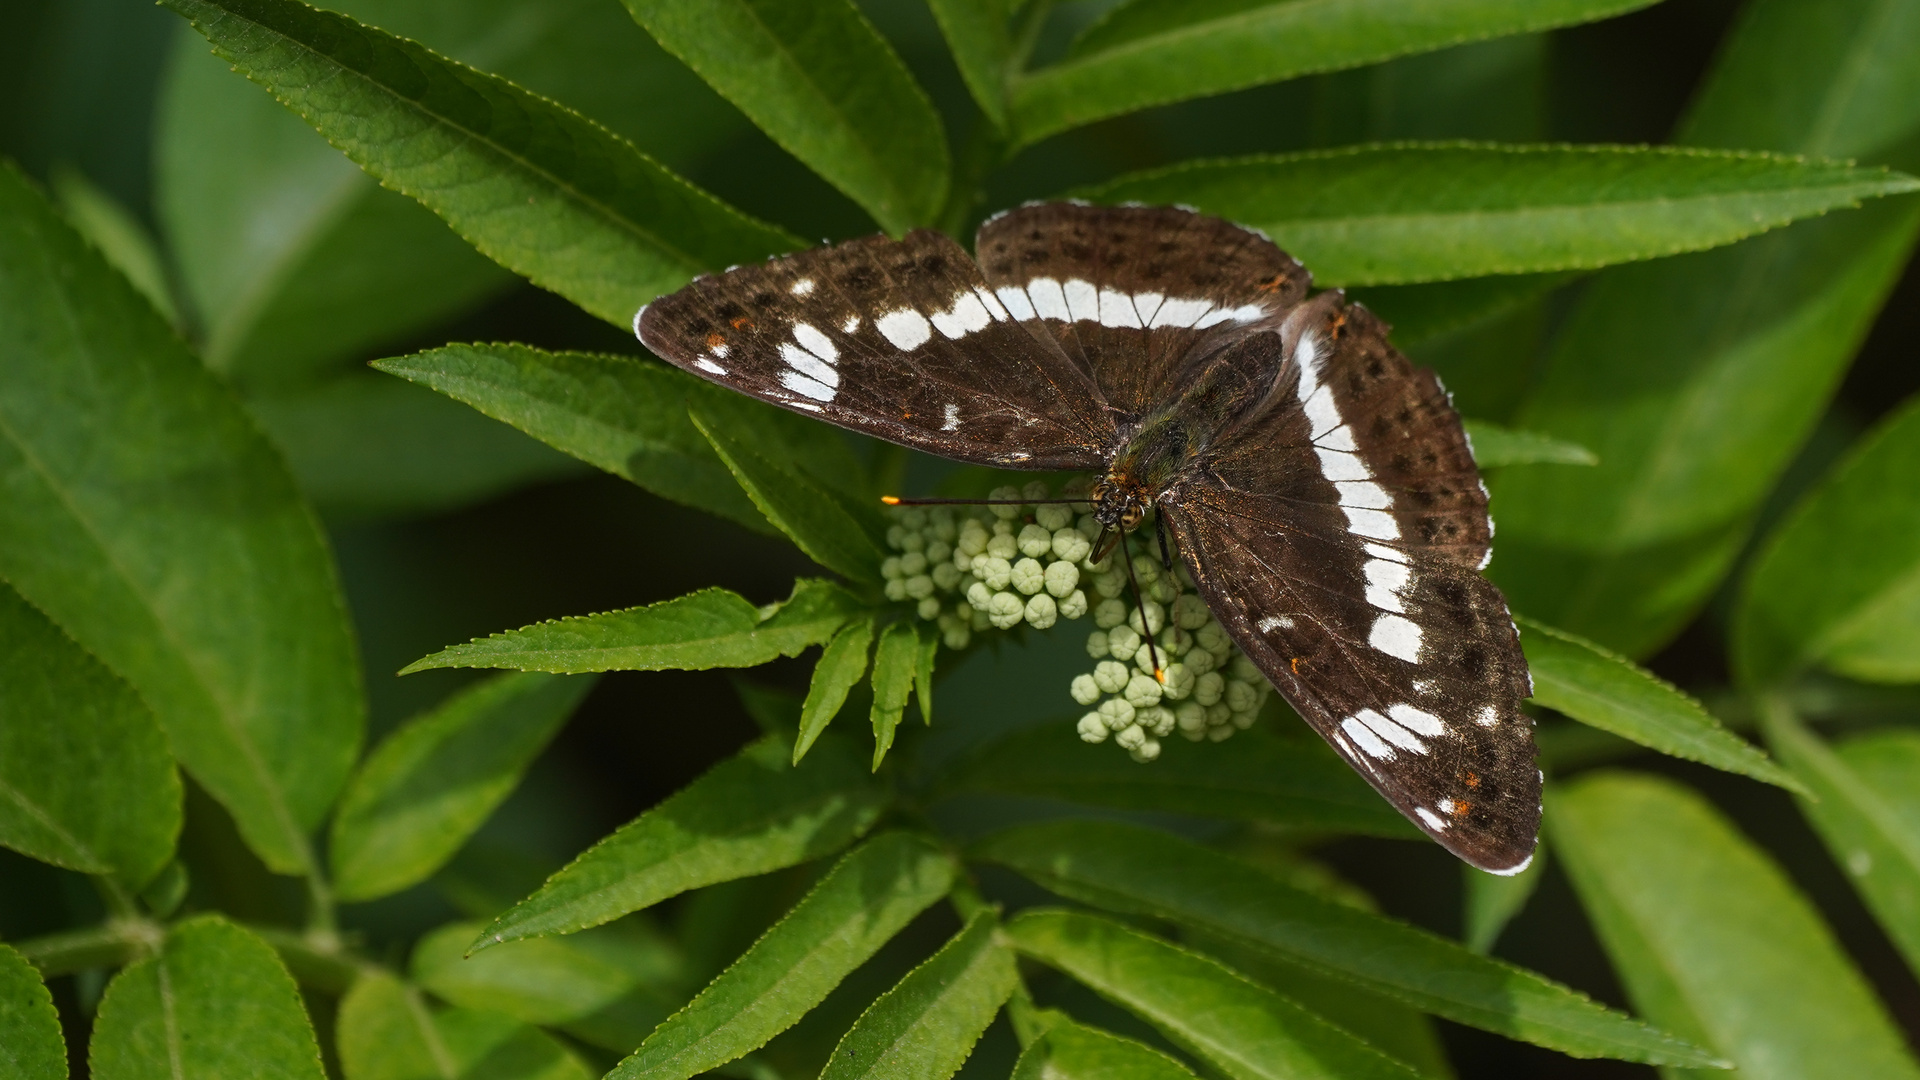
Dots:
{"x": 1521, "y": 213}
{"x": 601, "y": 209}
{"x": 33, "y": 810}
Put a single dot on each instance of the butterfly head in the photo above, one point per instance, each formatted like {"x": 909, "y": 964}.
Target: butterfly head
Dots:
{"x": 1119, "y": 501}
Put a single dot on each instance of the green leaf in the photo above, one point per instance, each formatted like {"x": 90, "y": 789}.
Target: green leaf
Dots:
{"x": 364, "y": 445}
{"x": 1696, "y": 379}
{"x": 976, "y": 33}
{"x": 386, "y": 1032}
{"x": 748, "y": 815}
{"x": 215, "y": 1002}
{"x": 31, "y": 1045}
{"x": 923, "y": 671}
{"x": 537, "y": 188}
{"x": 628, "y": 417}
{"x": 1494, "y": 446}
{"x": 818, "y": 523}
{"x": 894, "y": 661}
{"x": 821, "y": 81}
{"x": 1492, "y": 900}
{"x": 348, "y": 264}
{"x": 1393, "y": 213}
{"x": 1609, "y": 692}
{"x": 841, "y": 665}
{"x": 178, "y": 551}
{"x": 867, "y": 898}
{"x": 1838, "y": 583}
{"x": 1435, "y": 309}
{"x": 1158, "y": 52}
{"x": 1071, "y": 1051}
{"x": 707, "y": 629}
{"x": 86, "y": 779}
{"x": 1260, "y": 778}
{"x": 1237, "y": 1026}
{"x": 1140, "y": 871}
{"x": 424, "y": 791}
{"x": 924, "y": 1028}
{"x": 1866, "y": 805}
{"x": 605, "y": 986}
{"x": 123, "y": 241}
{"x": 1706, "y": 933}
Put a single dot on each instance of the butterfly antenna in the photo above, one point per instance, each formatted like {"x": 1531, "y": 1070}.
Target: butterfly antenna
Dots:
{"x": 895, "y": 500}
{"x": 1140, "y": 605}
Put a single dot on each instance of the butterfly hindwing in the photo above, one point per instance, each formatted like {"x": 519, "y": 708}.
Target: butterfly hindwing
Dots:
{"x": 898, "y": 339}
{"x": 1137, "y": 293}
{"x": 1338, "y": 537}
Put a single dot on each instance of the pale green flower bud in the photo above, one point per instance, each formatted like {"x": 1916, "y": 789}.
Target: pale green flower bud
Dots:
{"x": 1002, "y": 528}
{"x": 1005, "y": 513}
{"x": 1003, "y": 546}
{"x": 979, "y": 595}
{"x": 1156, "y": 618}
{"x": 1180, "y": 680}
{"x": 1006, "y": 610}
{"x": 1124, "y": 643}
{"x": 1145, "y": 658}
{"x": 913, "y": 540}
{"x": 1162, "y": 590}
{"x": 1218, "y": 715}
{"x": 1073, "y": 605}
{"x": 997, "y": 573}
{"x": 1145, "y": 752}
{"x": 1245, "y": 720}
{"x": 945, "y": 577}
{"x": 930, "y": 608}
{"x": 1116, "y": 714}
{"x": 1085, "y": 690}
{"x": 1110, "y": 676}
{"x": 1190, "y": 612}
{"x": 1131, "y": 737}
{"x": 1042, "y": 612}
{"x": 913, "y": 562}
{"x": 979, "y": 620}
{"x": 973, "y": 538}
{"x": 920, "y": 586}
{"x": 1092, "y": 728}
{"x": 1245, "y": 671}
{"x": 1142, "y": 691}
{"x": 1109, "y": 614}
{"x": 963, "y": 561}
{"x": 1088, "y": 525}
{"x": 1097, "y": 645}
{"x": 1240, "y": 696}
{"x": 1208, "y": 688}
{"x": 942, "y": 523}
{"x": 1053, "y": 516}
{"x": 896, "y": 536}
{"x": 1175, "y": 641}
{"x": 1028, "y": 576}
{"x": 1035, "y": 541}
{"x": 1213, "y": 638}
{"x": 963, "y": 611}
{"x": 957, "y": 636}
{"x": 1146, "y": 569}
{"x": 1199, "y": 661}
{"x": 1070, "y": 545}
{"x": 913, "y": 517}
{"x": 1035, "y": 491}
{"x": 938, "y": 551}
{"x": 1157, "y": 719}
{"x": 1062, "y": 578}
{"x": 895, "y": 589}
{"x": 1110, "y": 584}
{"x": 890, "y": 567}
{"x": 1192, "y": 718}
{"x": 1220, "y": 734}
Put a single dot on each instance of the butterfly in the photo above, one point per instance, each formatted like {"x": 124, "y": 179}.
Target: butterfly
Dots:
{"x": 1318, "y": 486}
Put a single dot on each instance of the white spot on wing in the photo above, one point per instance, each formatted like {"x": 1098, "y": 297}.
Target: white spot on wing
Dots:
{"x": 809, "y": 365}
{"x": 1363, "y": 493}
{"x": 815, "y": 342}
{"x": 1368, "y": 741}
{"x": 906, "y": 328}
{"x": 1487, "y": 716}
{"x": 1179, "y": 313}
{"x": 1375, "y": 523}
{"x": 1434, "y": 821}
{"x": 802, "y": 287}
{"x": 721, "y": 350}
{"x": 1396, "y": 636}
{"x": 852, "y": 324}
{"x": 1306, "y": 353}
{"x": 1382, "y": 551}
{"x": 1390, "y": 731}
{"x": 1385, "y": 599}
{"x": 1445, "y": 806}
{"x": 1515, "y": 868}
{"x": 1116, "y": 309}
{"x": 800, "y": 384}
{"x": 965, "y": 316}
{"x": 1147, "y": 305}
{"x": 1322, "y": 414}
{"x": 992, "y": 304}
{"x": 707, "y": 365}
{"x": 1245, "y": 313}
{"x": 1016, "y": 302}
{"x": 1387, "y": 575}
{"x": 1274, "y": 622}
{"x": 1340, "y": 438}
{"x": 1049, "y": 300}
{"x": 1418, "y": 721}
{"x": 1340, "y": 465}
{"x": 1083, "y": 301}
{"x": 953, "y": 417}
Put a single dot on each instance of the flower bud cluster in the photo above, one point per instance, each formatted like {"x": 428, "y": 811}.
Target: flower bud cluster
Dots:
{"x": 1207, "y": 688}
{"x": 974, "y": 568}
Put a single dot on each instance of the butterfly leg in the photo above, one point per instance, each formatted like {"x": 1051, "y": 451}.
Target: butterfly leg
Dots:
{"x": 1166, "y": 554}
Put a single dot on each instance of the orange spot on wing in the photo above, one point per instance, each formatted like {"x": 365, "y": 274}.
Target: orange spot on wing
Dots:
{"x": 1473, "y": 779}
{"x": 742, "y": 323}
{"x": 1274, "y": 284}
{"x": 1339, "y": 321}
{"x": 714, "y": 341}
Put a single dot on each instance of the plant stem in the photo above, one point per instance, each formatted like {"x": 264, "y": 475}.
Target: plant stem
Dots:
{"x": 111, "y": 944}
{"x": 330, "y": 970}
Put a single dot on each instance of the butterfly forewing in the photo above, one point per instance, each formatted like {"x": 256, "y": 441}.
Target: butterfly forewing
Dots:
{"x": 1137, "y": 293}
{"x": 899, "y": 339}
{"x": 1337, "y": 536}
